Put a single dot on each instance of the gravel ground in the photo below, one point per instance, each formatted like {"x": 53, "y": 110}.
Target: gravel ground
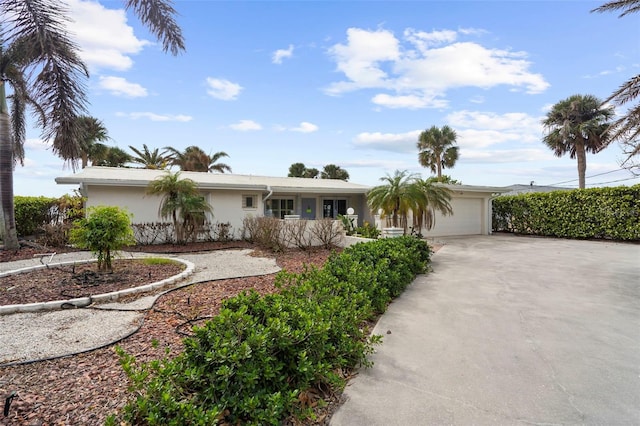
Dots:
{"x": 42, "y": 335}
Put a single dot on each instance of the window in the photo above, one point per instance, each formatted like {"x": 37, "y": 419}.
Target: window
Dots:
{"x": 278, "y": 207}
{"x": 249, "y": 202}
{"x": 332, "y": 208}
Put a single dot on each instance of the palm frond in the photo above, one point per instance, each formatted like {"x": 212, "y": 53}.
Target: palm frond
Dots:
{"x": 626, "y": 6}
{"x": 158, "y": 17}
{"x": 52, "y": 66}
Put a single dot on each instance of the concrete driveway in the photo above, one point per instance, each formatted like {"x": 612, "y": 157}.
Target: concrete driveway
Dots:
{"x": 509, "y": 330}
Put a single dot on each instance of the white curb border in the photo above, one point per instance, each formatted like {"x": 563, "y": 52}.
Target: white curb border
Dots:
{"x": 83, "y": 302}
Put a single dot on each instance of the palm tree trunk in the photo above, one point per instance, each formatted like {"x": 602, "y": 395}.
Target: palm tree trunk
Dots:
{"x": 10, "y": 236}
{"x": 439, "y": 164}
{"x": 581, "y": 155}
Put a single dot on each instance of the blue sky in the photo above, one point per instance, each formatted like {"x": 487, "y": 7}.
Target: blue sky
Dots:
{"x": 351, "y": 83}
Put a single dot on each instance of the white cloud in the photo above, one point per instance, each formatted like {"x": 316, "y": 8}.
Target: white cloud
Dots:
{"x": 36, "y": 145}
{"x": 103, "y": 35}
{"x": 418, "y": 70}
{"x": 504, "y": 156}
{"x": 119, "y": 86}
{"x": 305, "y": 127}
{"x": 246, "y": 125}
{"x": 395, "y": 142}
{"x": 408, "y": 101}
{"x": 155, "y": 117}
{"x": 360, "y": 59}
{"x": 482, "y": 129}
{"x": 423, "y": 40}
{"x": 281, "y": 54}
{"x": 223, "y": 89}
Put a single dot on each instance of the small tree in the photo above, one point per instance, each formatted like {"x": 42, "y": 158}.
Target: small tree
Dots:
{"x": 105, "y": 230}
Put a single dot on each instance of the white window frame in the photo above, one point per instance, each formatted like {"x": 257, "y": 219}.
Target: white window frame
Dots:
{"x": 254, "y": 202}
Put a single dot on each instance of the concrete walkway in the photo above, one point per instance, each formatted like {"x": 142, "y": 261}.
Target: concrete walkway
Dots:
{"x": 509, "y": 330}
{"x": 40, "y": 335}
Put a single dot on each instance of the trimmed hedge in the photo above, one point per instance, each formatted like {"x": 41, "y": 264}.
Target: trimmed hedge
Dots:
{"x": 606, "y": 213}
{"x": 255, "y": 361}
{"x": 32, "y": 213}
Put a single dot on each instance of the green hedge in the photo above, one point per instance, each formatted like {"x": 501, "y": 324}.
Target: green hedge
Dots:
{"x": 607, "y": 213}
{"x": 32, "y": 213}
{"x": 254, "y": 362}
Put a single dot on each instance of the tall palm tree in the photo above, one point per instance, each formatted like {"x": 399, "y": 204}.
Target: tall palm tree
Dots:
{"x": 437, "y": 149}
{"x": 194, "y": 159}
{"x": 149, "y": 159}
{"x": 626, "y": 128}
{"x": 90, "y": 132}
{"x": 577, "y": 125}
{"x": 41, "y": 65}
{"x": 178, "y": 200}
{"x": 331, "y": 171}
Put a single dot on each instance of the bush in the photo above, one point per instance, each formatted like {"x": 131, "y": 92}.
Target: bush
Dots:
{"x": 607, "y": 213}
{"x": 368, "y": 231}
{"x": 256, "y": 360}
{"x": 105, "y": 230}
{"x": 32, "y": 213}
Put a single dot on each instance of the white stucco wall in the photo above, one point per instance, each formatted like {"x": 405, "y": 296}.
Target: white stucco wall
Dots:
{"x": 143, "y": 207}
{"x": 227, "y": 205}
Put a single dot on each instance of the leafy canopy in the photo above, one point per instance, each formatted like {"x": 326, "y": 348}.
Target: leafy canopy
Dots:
{"x": 105, "y": 230}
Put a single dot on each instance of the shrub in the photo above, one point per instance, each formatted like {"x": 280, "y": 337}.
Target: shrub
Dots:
{"x": 608, "y": 213}
{"x": 106, "y": 229}
{"x": 368, "y": 231}
{"x": 327, "y": 232}
{"x": 32, "y": 213}
{"x": 254, "y": 362}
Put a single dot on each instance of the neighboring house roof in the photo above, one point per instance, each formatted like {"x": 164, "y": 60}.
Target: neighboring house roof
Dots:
{"x": 474, "y": 188}
{"x": 524, "y": 189}
{"x": 121, "y": 176}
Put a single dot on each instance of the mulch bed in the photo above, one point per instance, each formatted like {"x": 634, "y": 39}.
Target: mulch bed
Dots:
{"x": 86, "y": 388}
{"x": 80, "y": 280}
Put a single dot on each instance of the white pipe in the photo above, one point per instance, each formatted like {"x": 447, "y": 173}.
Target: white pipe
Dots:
{"x": 269, "y": 194}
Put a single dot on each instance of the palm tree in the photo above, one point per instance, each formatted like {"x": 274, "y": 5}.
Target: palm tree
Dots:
{"x": 92, "y": 132}
{"x": 437, "y": 149}
{"x": 395, "y": 197}
{"x": 406, "y": 193}
{"x": 435, "y": 198}
{"x": 178, "y": 200}
{"x": 577, "y": 125}
{"x": 331, "y": 171}
{"x": 194, "y": 159}
{"x": 311, "y": 173}
{"x": 149, "y": 159}
{"x": 114, "y": 157}
{"x": 41, "y": 65}
{"x": 627, "y": 127}
{"x": 297, "y": 170}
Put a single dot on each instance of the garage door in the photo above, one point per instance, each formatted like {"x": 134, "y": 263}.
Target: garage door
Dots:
{"x": 466, "y": 220}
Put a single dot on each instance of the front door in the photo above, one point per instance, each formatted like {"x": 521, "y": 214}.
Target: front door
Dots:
{"x": 308, "y": 208}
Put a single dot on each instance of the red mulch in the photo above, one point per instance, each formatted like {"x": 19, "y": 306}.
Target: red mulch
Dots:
{"x": 84, "y": 389}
